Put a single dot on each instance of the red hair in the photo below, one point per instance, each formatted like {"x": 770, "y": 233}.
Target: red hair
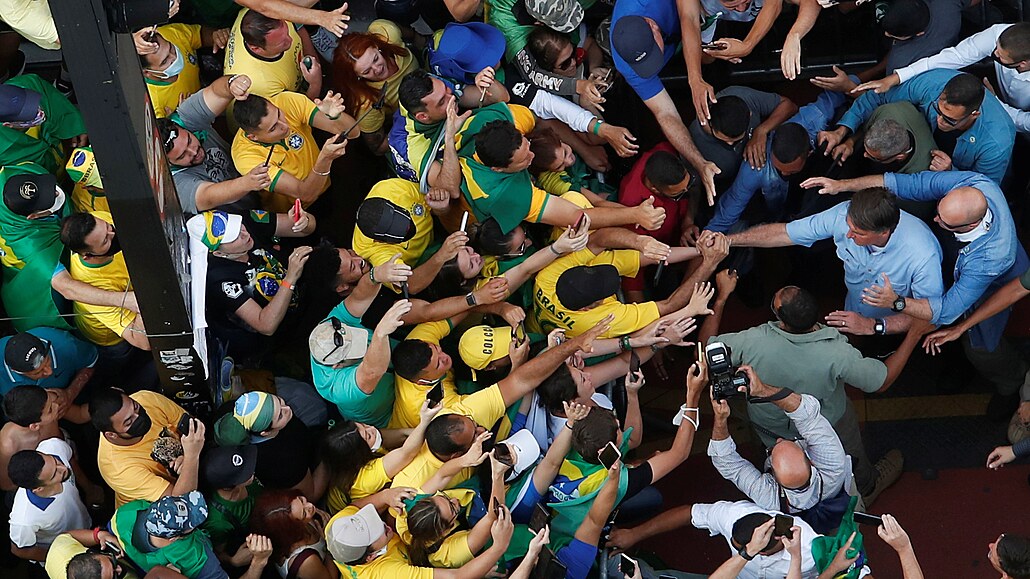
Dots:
{"x": 272, "y": 517}
{"x": 345, "y": 80}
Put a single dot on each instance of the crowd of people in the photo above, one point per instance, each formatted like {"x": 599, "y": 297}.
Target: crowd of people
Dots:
{"x": 456, "y": 393}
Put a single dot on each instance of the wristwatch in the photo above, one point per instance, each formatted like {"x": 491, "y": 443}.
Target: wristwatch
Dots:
{"x": 470, "y": 299}
{"x": 880, "y": 327}
{"x": 899, "y": 304}
{"x": 742, "y": 551}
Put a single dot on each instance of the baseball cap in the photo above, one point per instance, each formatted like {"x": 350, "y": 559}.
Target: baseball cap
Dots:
{"x": 18, "y": 105}
{"x": 169, "y": 517}
{"x": 633, "y": 40}
{"x": 561, "y": 15}
{"x": 82, "y": 168}
{"x": 347, "y": 538}
{"x": 24, "y": 352}
{"x": 465, "y": 49}
{"x": 480, "y": 345}
{"x": 27, "y": 193}
{"x": 524, "y": 449}
{"x": 385, "y": 221}
{"x": 228, "y": 466}
{"x": 580, "y": 286}
{"x": 213, "y": 228}
{"x": 332, "y": 342}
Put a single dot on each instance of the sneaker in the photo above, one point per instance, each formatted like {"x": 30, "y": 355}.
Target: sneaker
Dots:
{"x": 888, "y": 470}
{"x": 1018, "y": 430}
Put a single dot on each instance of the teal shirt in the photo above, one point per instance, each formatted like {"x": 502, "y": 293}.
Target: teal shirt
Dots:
{"x": 340, "y": 385}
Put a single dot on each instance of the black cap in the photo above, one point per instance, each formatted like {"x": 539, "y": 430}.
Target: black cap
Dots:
{"x": 28, "y": 193}
{"x": 583, "y": 285}
{"x": 228, "y": 466}
{"x": 385, "y": 221}
{"x": 24, "y": 353}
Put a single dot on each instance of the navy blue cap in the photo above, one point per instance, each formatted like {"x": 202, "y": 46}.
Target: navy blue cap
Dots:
{"x": 18, "y": 105}
{"x": 633, "y": 39}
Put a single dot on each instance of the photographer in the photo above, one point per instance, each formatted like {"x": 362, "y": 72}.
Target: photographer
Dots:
{"x": 774, "y": 350}
{"x": 801, "y": 474}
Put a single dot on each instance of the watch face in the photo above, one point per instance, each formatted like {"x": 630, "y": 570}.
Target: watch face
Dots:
{"x": 899, "y": 304}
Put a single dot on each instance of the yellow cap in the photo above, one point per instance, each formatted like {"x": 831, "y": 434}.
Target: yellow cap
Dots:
{"x": 480, "y": 345}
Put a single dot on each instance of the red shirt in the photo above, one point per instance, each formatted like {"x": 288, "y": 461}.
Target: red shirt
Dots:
{"x": 633, "y": 192}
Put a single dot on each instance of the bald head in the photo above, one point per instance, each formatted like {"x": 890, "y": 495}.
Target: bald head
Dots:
{"x": 790, "y": 465}
{"x": 961, "y": 207}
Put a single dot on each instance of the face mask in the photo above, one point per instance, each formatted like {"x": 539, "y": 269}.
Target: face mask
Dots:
{"x": 978, "y": 231}
{"x": 174, "y": 69}
{"x": 379, "y": 441}
{"x": 140, "y": 426}
{"x": 116, "y": 246}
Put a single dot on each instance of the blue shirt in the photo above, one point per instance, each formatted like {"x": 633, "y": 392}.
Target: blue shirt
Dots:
{"x": 667, "y": 17}
{"x": 985, "y": 147}
{"x": 813, "y": 117}
{"x": 68, "y": 355}
{"x": 911, "y": 258}
{"x": 985, "y": 264}
{"x": 340, "y": 385}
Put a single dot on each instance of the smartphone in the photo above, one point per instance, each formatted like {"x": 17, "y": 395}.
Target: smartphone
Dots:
{"x": 782, "y": 526}
{"x": 404, "y": 289}
{"x": 112, "y": 548}
{"x": 713, "y": 46}
{"x": 634, "y": 362}
{"x": 548, "y": 566}
{"x": 609, "y": 454}
{"x": 519, "y": 334}
{"x": 579, "y": 221}
{"x": 626, "y": 565}
{"x": 497, "y": 506}
{"x": 658, "y": 271}
{"x": 184, "y": 425}
{"x": 464, "y": 221}
{"x": 540, "y": 517}
{"x": 297, "y": 211}
{"x": 866, "y": 519}
{"x": 502, "y": 452}
{"x": 435, "y": 396}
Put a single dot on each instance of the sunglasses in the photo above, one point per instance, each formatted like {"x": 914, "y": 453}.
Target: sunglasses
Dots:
{"x": 948, "y": 120}
{"x": 676, "y": 197}
{"x": 518, "y": 253}
{"x": 997, "y": 59}
{"x": 40, "y": 117}
{"x": 338, "y": 337}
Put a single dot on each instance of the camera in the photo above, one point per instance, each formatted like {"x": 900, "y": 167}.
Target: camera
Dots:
{"x": 724, "y": 378}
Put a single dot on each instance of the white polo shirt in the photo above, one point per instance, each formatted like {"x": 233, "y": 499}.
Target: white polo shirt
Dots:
{"x": 39, "y": 520}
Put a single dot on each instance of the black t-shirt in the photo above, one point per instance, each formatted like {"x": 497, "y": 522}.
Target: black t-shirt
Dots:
{"x": 284, "y": 461}
{"x": 946, "y": 140}
{"x": 231, "y": 283}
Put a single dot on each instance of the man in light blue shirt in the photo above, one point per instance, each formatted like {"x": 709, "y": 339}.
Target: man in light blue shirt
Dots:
{"x": 874, "y": 239}
{"x": 772, "y": 177}
{"x": 972, "y": 208}
{"x": 971, "y": 127}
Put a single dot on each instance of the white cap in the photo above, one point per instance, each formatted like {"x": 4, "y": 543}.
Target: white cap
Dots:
{"x": 347, "y": 538}
{"x": 323, "y": 339}
{"x": 525, "y": 451}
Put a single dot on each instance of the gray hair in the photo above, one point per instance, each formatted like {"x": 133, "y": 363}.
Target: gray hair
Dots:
{"x": 887, "y": 137}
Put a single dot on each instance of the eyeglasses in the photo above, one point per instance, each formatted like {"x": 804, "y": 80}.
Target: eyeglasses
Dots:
{"x": 948, "y": 120}
{"x": 518, "y": 253}
{"x": 997, "y": 59}
{"x": 338, "y": 337}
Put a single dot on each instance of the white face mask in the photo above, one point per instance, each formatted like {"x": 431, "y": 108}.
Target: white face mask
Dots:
{"x": 981, "y": 229}
{"x": 379, "y": 441}
{"x": 173, "y": 69}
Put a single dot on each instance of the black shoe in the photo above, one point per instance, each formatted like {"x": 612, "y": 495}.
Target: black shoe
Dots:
{"x": 1001, "y": 407}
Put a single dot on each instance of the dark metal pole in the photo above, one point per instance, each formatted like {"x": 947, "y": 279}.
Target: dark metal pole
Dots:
{"x": 121, "y": 125}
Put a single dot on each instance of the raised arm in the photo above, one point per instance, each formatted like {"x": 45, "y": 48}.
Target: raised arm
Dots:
{"x": 300, "y": 12}
{"x": 398, "y": 458}
{"x": 664, "y": 462}
{"x": 376, "y": 361}
{"x": 664, "y": 110}
{"x": 544, "y": 473}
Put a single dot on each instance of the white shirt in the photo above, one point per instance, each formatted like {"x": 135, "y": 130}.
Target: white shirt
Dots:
{"x": 718, "y": 519}
{"x": 1013, "y": 86}
{"x": 39, "y": 520}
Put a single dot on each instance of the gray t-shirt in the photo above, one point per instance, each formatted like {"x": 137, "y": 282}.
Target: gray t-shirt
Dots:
{"x": 941, "y": 32}
{"x": 217, "y": 165}
{"x": 727, "y": 158}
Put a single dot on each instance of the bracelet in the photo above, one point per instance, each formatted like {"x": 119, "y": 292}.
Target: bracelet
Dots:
{"x": 285, "y": 285}
{"x": 567, "y": 425}
{"x": 655, "y": 348}
{"x": 624, "y": 344}
{"x": 332, "y": 118}
{"x": 232, "y": 78}
{"x": 695, "y": 422}
{"x": 597, "y": 126}
{"x": 96, "y": 535}
{"x": 553, "y": 250}
{"x": 317, "y": 172}
{"x": 372, "y": 276}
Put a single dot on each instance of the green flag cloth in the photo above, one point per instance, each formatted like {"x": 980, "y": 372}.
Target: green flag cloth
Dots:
{"x": 29, "y": 251}
{"x": 825, "y": 548}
